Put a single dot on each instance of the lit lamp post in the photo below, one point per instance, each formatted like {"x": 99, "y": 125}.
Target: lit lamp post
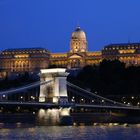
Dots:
{"x": 73, "y": 99}
{"x": 132, "y": 97}
{"x": 82, "y": 100}
{"x": 21, "y": 98}
{"x": 92, "y": 101}
{"x": 102, "y": 102}
{"x": 3, "y": 97}
{"x": 32, "y": 98}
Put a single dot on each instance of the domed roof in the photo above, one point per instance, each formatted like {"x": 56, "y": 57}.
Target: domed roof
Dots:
{"x": 78, "y": 33}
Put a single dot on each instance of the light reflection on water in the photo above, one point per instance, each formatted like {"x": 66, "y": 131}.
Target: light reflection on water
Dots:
{"x": 51, "y": 116}
{"x": 72, "y": 132}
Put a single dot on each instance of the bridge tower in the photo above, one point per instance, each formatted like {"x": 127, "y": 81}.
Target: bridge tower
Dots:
{"x": 56, "y": 90}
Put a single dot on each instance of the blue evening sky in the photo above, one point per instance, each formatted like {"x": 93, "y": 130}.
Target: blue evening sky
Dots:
{"x": 49, "y": 23}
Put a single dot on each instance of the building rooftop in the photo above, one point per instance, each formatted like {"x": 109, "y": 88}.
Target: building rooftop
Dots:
{"x": 122, "y": 44}
{"x": 24, "y": 49}
{"x": 78, "y": 33}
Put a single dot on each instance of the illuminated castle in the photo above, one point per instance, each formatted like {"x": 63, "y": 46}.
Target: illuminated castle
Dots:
{"x": 24, "y": 59}
{"x": 129, "y": 53}
{"x": 78, "y": 56}
{"x": 34, "y": 59}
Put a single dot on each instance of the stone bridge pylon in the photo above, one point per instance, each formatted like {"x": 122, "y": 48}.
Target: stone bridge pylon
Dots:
{"x": 56, "y": 90}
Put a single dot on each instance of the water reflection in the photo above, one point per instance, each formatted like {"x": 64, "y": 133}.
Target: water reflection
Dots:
{"x": 52, "y": 116}
{"x": 49, "y": 116}
{"x": 71, "y": 132}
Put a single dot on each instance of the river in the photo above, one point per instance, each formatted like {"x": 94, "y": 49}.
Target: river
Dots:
{"x": 101, "y": 132}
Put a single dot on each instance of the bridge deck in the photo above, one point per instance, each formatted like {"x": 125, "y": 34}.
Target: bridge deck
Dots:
{"x": 71, "y": 105}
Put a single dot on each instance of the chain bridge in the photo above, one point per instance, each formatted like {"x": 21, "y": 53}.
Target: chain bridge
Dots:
{"x": 56, "y": 92}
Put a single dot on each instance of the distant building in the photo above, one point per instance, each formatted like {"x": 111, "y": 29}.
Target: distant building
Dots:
{"x": 24, "y": 59}
{"x": 78, "y": 56}
{"x": 34, "y": 59}
{"x": 128, "y": 53}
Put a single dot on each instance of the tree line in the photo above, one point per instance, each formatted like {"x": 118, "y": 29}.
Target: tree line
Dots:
{"x": 109, "y": 78}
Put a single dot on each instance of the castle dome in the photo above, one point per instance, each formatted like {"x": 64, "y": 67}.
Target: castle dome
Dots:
{"x": 78, "y": 41}
{"x": 78, "y": 33}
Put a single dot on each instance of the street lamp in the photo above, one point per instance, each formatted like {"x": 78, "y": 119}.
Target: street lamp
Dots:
{"x": 132, "y": 97}
{"x": 72, "y": 100}
{"x": 92, "y": 101}
{"x": 21, "y": 98}
{"x": 3, "y": 96}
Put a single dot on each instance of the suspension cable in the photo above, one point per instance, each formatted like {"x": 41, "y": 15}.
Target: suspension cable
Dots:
{"x": 93, "y": 94}
{"x": 29, "y": 86}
